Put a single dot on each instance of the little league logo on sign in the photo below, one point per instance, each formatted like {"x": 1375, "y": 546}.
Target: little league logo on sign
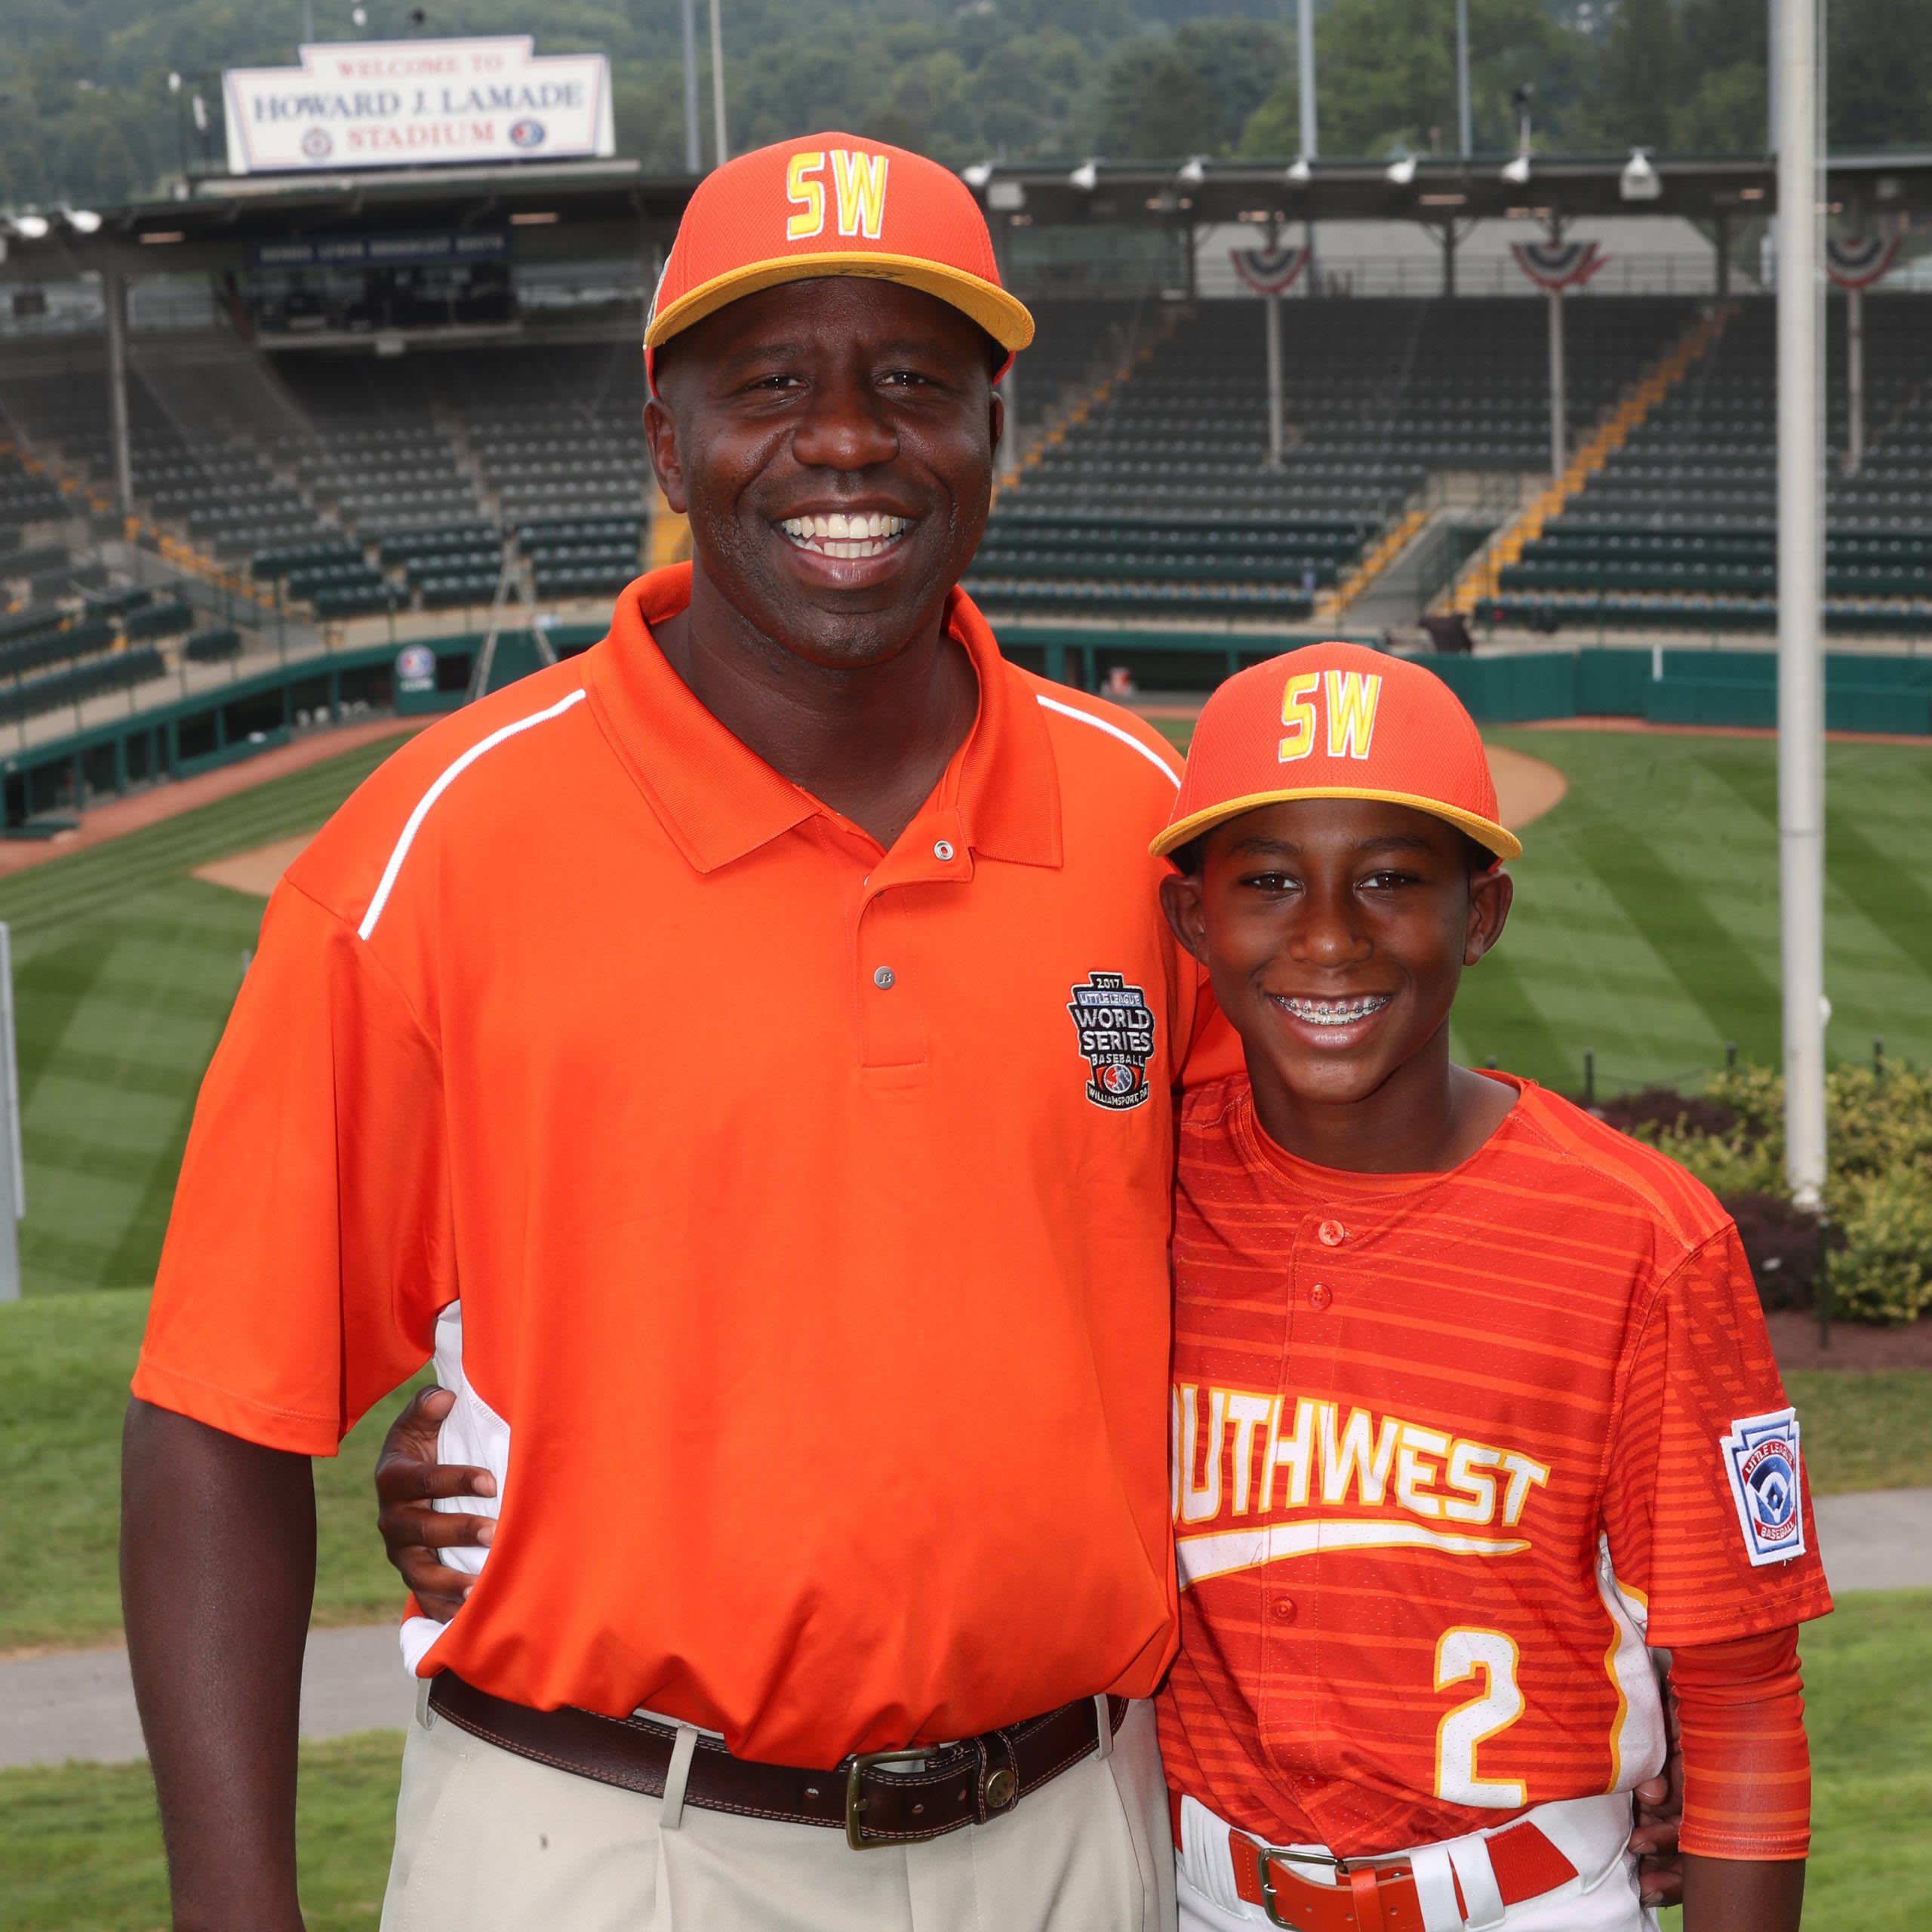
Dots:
{"x": 1761, "y": 1458}
{"x": 1115, "y": 1026}
{"x": 416, "y": 668}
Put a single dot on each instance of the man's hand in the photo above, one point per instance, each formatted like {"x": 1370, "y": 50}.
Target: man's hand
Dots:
{"x": 408, "y": 1480}
{"x": 1660, "y": 1812}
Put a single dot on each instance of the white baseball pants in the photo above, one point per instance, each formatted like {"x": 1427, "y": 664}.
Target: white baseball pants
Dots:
{"x": 1592, "y": 1832}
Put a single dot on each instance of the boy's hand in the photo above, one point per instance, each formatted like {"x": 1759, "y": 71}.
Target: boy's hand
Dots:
{"x": 408, "y": 1479}
{"x": 1653, "y": 1838}
{"x": 1660, "y": 1812}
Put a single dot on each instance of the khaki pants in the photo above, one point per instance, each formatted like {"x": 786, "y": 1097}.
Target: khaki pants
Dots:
{"x": 488, "y": 1841}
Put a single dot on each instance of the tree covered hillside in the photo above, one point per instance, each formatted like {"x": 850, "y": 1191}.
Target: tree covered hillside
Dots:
{"x": 87, "y": 115}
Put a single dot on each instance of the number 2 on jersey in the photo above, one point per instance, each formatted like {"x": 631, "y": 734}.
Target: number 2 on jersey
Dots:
{"x": 1461, "y": 1654}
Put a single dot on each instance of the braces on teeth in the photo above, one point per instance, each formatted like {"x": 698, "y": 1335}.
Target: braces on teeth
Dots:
{"x": 1335, "y": 1012}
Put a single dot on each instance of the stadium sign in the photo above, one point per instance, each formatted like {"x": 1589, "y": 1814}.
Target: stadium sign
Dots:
{"x": 404, "y": 104}
{"x": 378, "y": 251}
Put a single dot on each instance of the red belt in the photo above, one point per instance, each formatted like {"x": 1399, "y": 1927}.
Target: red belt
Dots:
{"x": 1377, "y": 1896}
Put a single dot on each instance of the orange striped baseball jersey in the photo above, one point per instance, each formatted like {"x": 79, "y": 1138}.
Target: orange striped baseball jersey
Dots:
{"x": 1450, "y": 1451}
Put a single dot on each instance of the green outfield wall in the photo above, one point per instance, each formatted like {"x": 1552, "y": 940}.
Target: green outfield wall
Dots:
{"x": 1864, "y": 691}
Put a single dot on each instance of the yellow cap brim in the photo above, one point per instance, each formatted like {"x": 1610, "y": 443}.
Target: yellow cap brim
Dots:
{"x": 1004, "y": 317}
{"x": 1484, "y": 831}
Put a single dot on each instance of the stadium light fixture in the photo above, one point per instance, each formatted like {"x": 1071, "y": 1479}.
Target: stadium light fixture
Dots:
{"x": 1193, "y": 171}
{"x": 1087, "y": 176}
{"x": 82, "y": 221}
{"x": 1516, "y": 170}
{"x": 31, "y": 227}
{"x": 1402, "y": 171}
{"x": 978, "y": 174}
{"x": 1299, "y": 172}
{"x": 1639, "y": 181}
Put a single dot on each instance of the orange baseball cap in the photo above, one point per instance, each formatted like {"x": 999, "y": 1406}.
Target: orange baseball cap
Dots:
{"x": 1337, "y": 720}
{"x": 832, "y": 204}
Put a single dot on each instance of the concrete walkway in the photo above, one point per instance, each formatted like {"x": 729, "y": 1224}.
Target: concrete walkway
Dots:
{"x": 80, "y": 1704}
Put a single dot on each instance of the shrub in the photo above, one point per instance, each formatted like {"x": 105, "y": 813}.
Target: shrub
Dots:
{"x": 1878, "y": 1188}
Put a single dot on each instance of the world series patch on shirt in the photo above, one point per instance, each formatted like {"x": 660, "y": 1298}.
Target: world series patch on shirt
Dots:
{"x": 1116, "y": 1027}
{"x": 1761, "y": 1459}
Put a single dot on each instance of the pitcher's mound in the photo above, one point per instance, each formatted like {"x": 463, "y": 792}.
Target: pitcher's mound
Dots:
{"x": 259, "y": 872}
{"x": 1526, "y": 787}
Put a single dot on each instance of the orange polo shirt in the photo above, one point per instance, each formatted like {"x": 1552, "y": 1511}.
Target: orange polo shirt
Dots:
{"x": 804, "y": 1205}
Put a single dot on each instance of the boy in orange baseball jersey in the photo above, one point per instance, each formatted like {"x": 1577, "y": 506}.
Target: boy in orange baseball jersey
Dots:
{"x": 1473, "y": 1406}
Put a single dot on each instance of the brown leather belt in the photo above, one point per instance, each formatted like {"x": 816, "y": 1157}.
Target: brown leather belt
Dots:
{"x": 966, "y": 1783}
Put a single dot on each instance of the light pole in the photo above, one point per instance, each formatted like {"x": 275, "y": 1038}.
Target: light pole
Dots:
{"x": 693, "y": 159}
{"x": 1467, "y": 146}
{"x": 1305, "y": 90}
{"x": 721, "y": 147}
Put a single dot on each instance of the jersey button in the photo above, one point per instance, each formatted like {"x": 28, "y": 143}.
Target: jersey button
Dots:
{"x": 1332, "y": 1234}
{"x": 1285, "y": 1610}
{"x": 942, "y": 849}
{"x": 1319, "y": 1297}
{"x": 882, "y": 977}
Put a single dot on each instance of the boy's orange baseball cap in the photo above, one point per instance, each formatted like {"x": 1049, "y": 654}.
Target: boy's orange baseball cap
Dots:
{"x": 1337, "y": 720}
{"x": 832, "y": 204}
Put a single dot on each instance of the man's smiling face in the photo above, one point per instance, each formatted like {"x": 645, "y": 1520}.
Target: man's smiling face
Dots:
{"x": 831, "y": 442}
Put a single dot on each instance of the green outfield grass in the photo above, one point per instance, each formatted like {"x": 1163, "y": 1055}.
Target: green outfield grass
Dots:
{"x": 79, "y": 1851}
{"x": 1646, "y": 920}
{"x": 124, "y": 967}
{"x": 64, "y": 1361}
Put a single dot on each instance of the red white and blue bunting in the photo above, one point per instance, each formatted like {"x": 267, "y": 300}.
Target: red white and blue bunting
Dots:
{"x": 1856, "y": 261}
{"x": 1269, "y": 271}
{"x": 1558, "y": 264}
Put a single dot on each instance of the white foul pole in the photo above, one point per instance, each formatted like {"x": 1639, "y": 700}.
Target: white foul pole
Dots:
{"x": 1801, "y": 575}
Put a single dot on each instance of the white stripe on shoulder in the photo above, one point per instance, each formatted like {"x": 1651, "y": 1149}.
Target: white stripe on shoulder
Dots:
{"x": 1127, "y": 738}
{"x": 449, "y": 773}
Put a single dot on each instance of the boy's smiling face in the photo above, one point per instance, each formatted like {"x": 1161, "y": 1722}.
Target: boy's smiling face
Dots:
{"x": 1335, "y": 932}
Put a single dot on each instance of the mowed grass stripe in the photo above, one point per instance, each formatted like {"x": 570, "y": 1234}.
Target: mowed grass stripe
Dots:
{"x": 1873, "y": 893}
{"x": 127, "y": 968}
{"x": 66, "y": 886}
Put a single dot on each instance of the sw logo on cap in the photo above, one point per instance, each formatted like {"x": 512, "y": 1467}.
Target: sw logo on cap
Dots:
{"x": 1351, "y": 699}
{"x": 858, "y": 185}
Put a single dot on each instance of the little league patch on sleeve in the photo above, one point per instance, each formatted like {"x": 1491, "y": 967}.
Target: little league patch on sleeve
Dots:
{"x": 1761, "y": 1458}
{"x": 1115, "y": 1028}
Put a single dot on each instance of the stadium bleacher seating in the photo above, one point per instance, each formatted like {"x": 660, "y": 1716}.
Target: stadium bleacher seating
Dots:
{"x": 378, "y": 483}
{"x": 26, "y": 697}
{"x": 1677, "y": 531}
{"x": 1160, "y": 502}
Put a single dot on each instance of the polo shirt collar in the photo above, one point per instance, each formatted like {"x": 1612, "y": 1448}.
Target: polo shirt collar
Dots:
{"x": 720, "y": 801}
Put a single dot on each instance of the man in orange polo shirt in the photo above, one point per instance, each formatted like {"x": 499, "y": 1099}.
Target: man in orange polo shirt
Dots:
{"x": 742, "y": 1056}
